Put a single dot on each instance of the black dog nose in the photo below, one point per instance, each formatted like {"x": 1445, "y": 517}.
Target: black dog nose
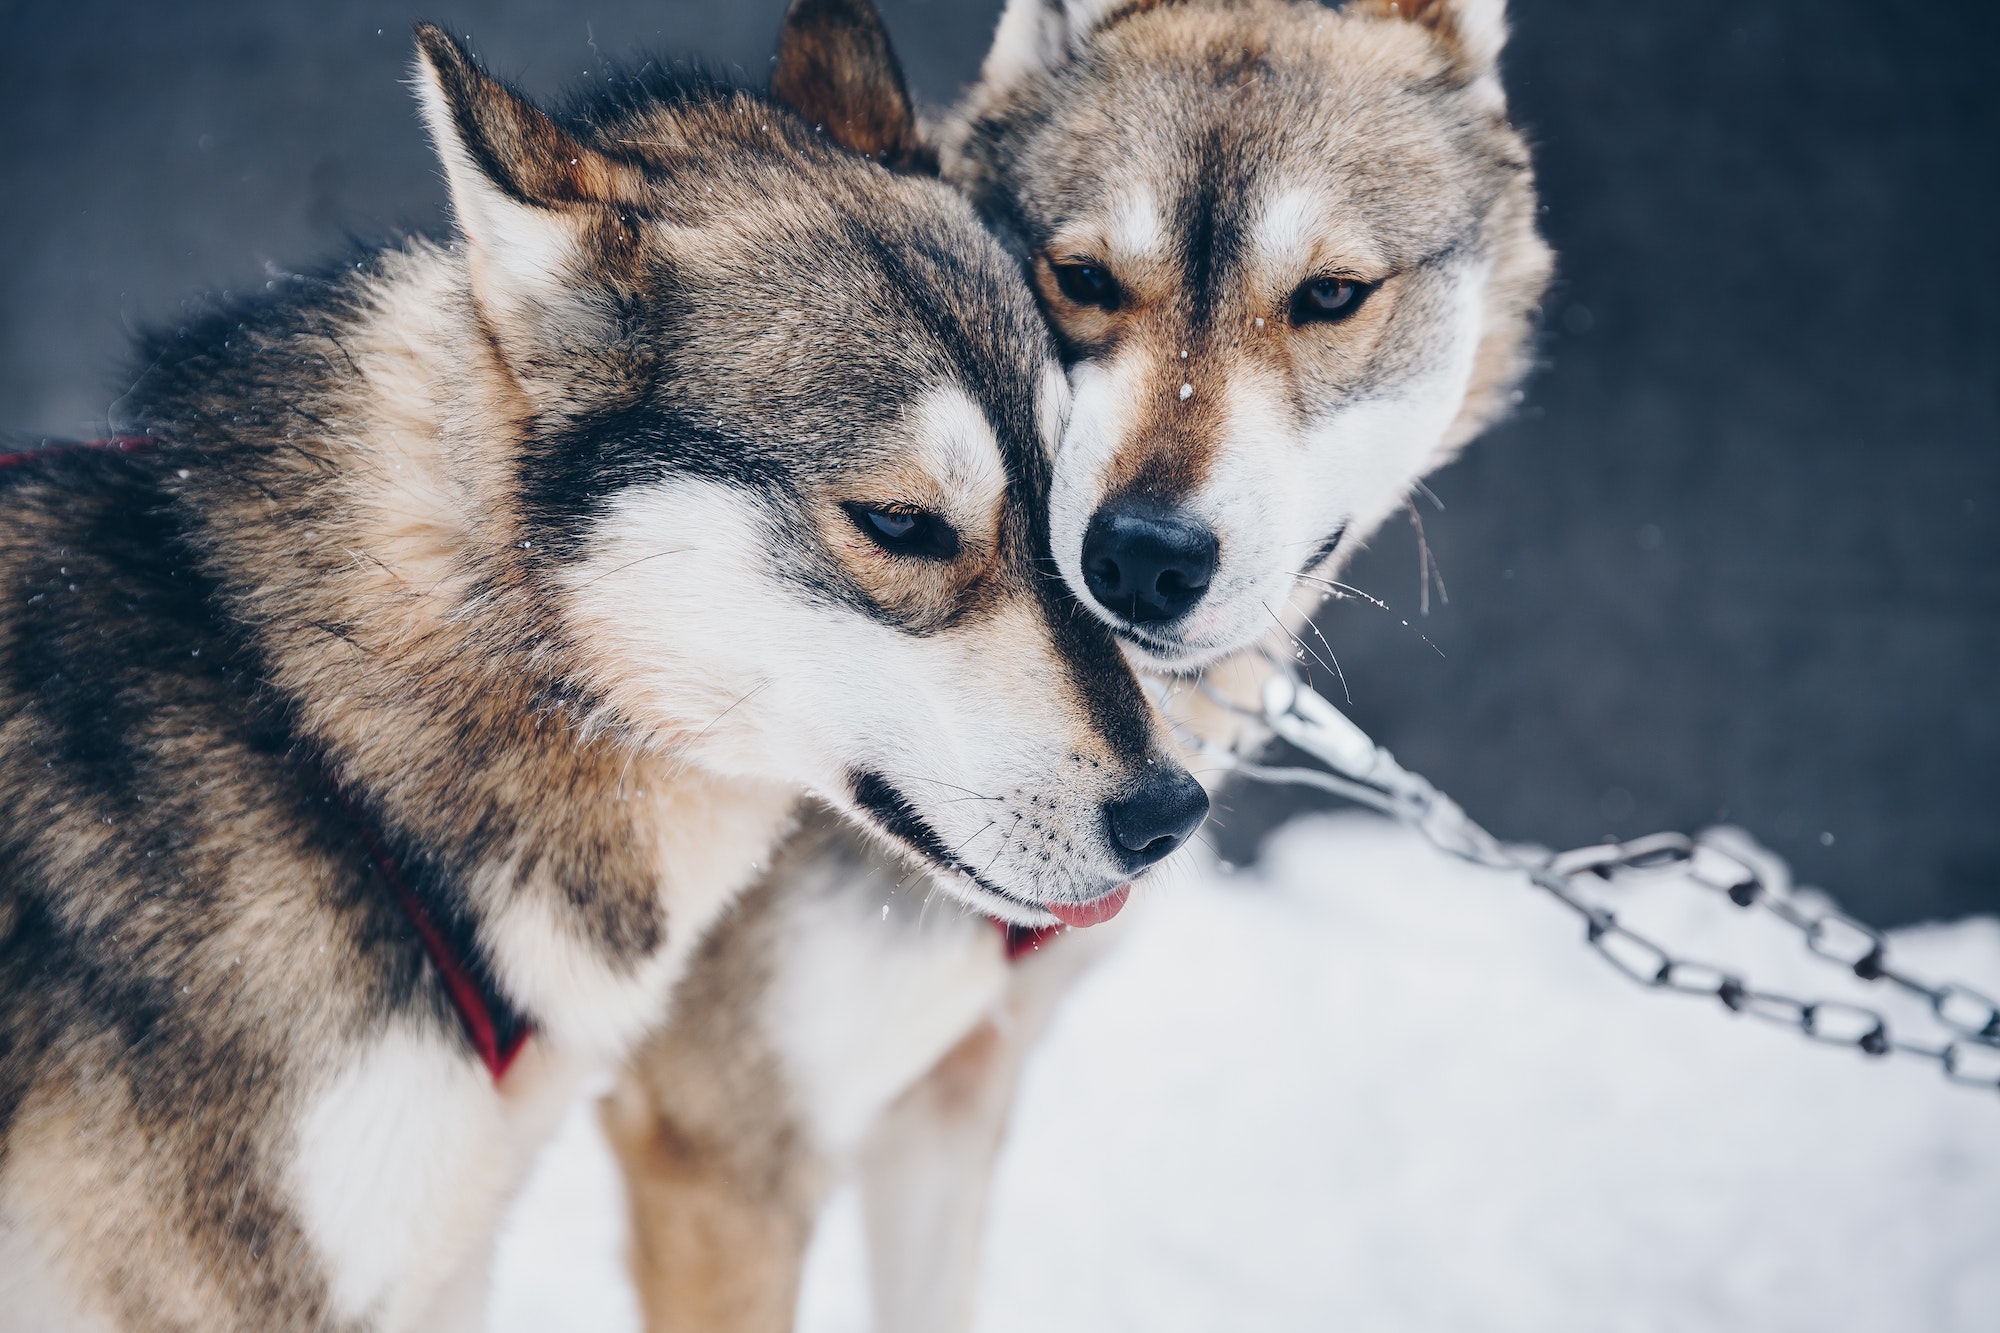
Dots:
{"x": 1146, "y": 565}
{"x": 1157, "y": 816}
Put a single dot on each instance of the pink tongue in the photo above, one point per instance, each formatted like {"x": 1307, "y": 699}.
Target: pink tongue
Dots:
{"x": 1093, "y": 913}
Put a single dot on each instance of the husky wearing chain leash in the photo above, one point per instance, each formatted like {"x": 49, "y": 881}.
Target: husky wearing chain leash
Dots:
{"x": 1288, "y": 252}
{"x": 382, "y": 724}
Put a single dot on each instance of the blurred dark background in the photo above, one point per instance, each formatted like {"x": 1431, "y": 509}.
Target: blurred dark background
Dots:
{"x": 1738, "y": 556}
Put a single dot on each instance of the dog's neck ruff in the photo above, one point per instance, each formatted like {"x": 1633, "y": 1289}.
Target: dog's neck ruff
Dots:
{"x": 495, "y": 1028}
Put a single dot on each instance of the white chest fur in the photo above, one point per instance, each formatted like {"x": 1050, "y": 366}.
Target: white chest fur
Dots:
{"x": 864, "y": 999}
{"x": 712, "y": 838}
{"x": 408, "y": 1152}
{"x": 404, "y": 1160}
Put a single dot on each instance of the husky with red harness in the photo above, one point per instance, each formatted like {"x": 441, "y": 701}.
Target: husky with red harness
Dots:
{"x": 382, "y": 726}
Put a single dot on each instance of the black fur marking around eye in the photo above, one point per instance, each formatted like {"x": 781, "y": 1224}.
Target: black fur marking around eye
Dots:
{"x": 1328, "y": 299}
{"x": 913, "y": 533}
{"x": 572, "y": 470}
{"x": 1087, "y": 284}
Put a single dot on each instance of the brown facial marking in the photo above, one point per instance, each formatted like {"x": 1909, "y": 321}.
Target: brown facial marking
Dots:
{"x": 922, "y": 593}
{"x": 1173, "y": 434}
{"x": 1144, "y": 287}
{"x": 1176, "y": 427}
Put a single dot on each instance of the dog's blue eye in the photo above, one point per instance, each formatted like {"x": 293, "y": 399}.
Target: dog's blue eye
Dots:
{"x": 901, "y": 531}
{"x": 1327, "y": 300}
{"x": 891, "y": 524}
{"x": 1087, "y": 284}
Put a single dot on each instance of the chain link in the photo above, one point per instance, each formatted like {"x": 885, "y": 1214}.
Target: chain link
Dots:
{"x": 1366, "y": 774}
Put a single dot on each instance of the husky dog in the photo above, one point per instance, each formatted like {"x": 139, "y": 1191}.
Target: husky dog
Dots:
{"x": 382, "y": 728}
{"x": 1289, "y": 255}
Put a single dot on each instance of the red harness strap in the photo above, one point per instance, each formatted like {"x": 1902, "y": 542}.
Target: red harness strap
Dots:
{"x": 497, "y": 1039}
{"x": 123, "y": 444}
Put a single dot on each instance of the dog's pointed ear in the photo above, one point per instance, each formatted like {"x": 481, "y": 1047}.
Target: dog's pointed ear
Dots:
{"x": 1474, "y": 31}
{"x": 837, "y": 69}
{"x": 537, "y": 207}
{"x": 1036, "y": 36}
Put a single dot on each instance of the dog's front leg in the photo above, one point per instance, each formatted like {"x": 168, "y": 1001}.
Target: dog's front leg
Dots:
{"x": 716, "y": 1239}
{"x": 460, "y": 1307}
{"x": 722, "y": 1182}
{"x": 832, "y": 990}
{"x": 927, "y": 1167}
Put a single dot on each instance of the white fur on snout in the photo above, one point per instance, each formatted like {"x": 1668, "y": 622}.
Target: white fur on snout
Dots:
{"x": 1052, "y": 407}
{"x": 1101, "y": 421}
{"x": 713, "y": 643}
{"x": 1252, "y": 501}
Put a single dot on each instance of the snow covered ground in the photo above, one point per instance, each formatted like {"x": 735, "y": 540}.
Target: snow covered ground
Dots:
{"x": 1363, "y": 1087}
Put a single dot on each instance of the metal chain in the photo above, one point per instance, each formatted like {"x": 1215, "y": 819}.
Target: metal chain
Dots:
{"x": 1366, "y": 774}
